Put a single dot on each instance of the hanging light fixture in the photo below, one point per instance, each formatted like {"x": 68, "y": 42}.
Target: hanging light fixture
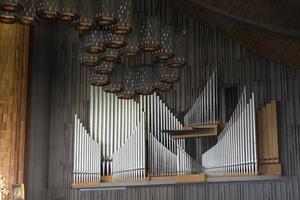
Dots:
{"x": 129, "y": 81}
{"x": 28, "y": 15}
{"x": 145, "y": 80}
{"x": 167, "y": 74}
{"x": 48, "y": 9}
{"x": 164, "y": 87}
{"x": 179, "y": 60}
{"x": 105, "y": 13}
{"x": 8, "y": 17}
{"x": 149, "y": 35}
{"x": 85, "y": 9}
{"x": 114, "y": 41}
{"x": 88, "y": 59}
{"x": 128, "y": 85}
{"x": 12, "y": 6}
{"x": 9, "y": 10}
{"x": 125, "y": 17}
{"x": 132, "y": 47}
{"x": 145, "y": 74}
{"x": 98, "y": 79}
{"x": 115, "y": 83}
{"x": 92, "y": 41}
{"x": 110, "y": 55}
{"x": 167, "y": 44}
{"x": 68, "y": 11}
{"x": 104, "y": 68}
{"x": 158, "y": 85}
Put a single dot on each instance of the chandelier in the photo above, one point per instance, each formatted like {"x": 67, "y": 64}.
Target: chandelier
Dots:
{"x": 8, "y": 11}
{"x": 68, "y": 11}
{"x": 179, "y": 60}
{"x": 12, "y": 6}
{"x": 104, "y": 68}
{"x": 92, "y": 41}
{"x": 115, "y": 80}
{"x": 132, "y": 45}
{"x": 84, "y": 21}
{"x": 48, "y": 9}
{"x": 129, "y": 47}
{"x": 125, "y": 17}
{"x": 114, "y": 41}
{"x": 28, "y": 14}
{"x": 88, "y": 59}
{"x": 105, "y": 12}
{"x": 149, "y": 36}
{"x": 99, "y": 80}
{"x": 167, "y": 74}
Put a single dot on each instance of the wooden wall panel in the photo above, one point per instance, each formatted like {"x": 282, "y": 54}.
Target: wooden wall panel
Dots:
{"x": 14, "y": 46}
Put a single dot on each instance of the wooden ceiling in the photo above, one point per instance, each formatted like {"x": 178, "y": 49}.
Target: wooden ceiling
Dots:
{"x": 270, "y": 27}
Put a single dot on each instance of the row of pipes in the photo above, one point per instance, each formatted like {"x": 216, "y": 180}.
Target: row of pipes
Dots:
{"x": 205, "y": 109}
{"x": 87, "y": 155}
{"x": 129, "y": 162}
{"x": 236, "y": 149}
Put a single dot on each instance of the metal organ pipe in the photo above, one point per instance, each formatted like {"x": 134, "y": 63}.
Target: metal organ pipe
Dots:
{"x": 87, "y": 155}
{"x": 126, "y": 140}
{"x": 205, "y": 109}
{"x": 236, "y": 150}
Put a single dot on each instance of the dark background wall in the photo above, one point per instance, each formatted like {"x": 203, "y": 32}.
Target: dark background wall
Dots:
{"x": 59, "y": 90}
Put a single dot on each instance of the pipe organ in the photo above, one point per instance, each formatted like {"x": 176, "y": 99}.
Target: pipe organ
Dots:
{"x": 236, "y": 149}
{"x": 126, "y": 141}
{"x": 130, "y": 140}
{"x": 129, "y": 162}
{"x": 87, "y": 155}
{"x": 205, "y": 109}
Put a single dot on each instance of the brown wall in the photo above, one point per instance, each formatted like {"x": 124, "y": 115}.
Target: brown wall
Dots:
{"x": 14, "y": 43}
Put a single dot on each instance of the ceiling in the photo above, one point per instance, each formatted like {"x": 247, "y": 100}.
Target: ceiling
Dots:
{"x": 270, "y": 27}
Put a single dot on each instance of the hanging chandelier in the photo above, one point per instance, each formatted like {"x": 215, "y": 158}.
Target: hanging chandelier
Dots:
{"x": 68, "y": 11}
{"x": 115, "y": 79}
{"x": 85, "y": 9}
{"x": 104, "y": 68}
{"x": 92, "y": 41}
{"x": 28, "y": 14}
{"x": 99, "y": 80}
{"x": 149, "y": 35}
{"x": 132, "y": 47}
{"x": 88, "y": 59}
{"x": 167, "y": 74}
{"x": 48, "y": 9}
{"x": 144, "y": 80}
{"x": 12, "y": 6}
{"x": 167, "y": 44}
{"x": 110, "y": 55}
{"x": 9, "y": 10}
{"x": 128, "y": 84}
{"x": 125, "y": 17}
{"x": 164, "y": 87}
{"x": 114, "y": 41}
{"x": 179, "y": 60}
{"x": 105, "y": 13}
{"x": 8, "y": 17}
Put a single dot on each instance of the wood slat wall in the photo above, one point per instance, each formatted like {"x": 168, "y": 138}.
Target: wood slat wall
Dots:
{"x": 14, "y": 46}
{"x": 206, "y": 49}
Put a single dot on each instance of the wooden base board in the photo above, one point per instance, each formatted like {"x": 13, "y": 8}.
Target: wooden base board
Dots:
{"x": 179, "y": 179}
{"x": 270, "y": 169}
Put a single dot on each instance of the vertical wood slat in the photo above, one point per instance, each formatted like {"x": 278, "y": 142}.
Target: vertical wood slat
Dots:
{"x": 14, "y": 48}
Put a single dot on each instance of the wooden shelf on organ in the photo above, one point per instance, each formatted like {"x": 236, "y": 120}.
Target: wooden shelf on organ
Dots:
{"x": 196, "y": 131}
